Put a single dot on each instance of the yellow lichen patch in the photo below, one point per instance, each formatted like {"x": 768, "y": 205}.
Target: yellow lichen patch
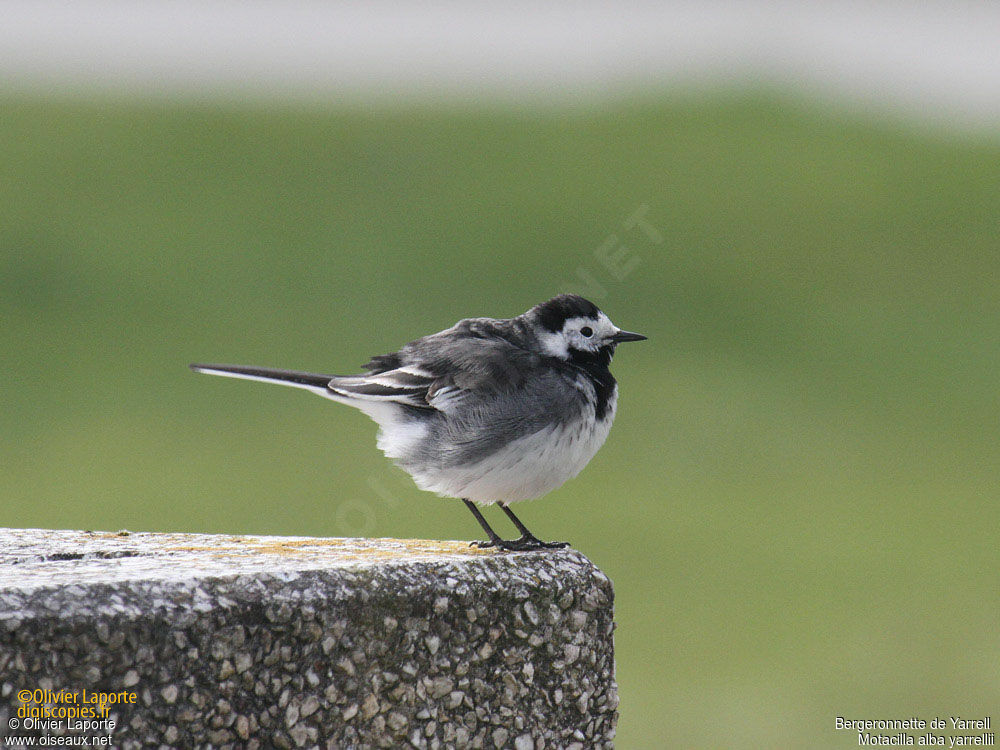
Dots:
{"x": 105, "y": 534}
{"x": 331, "y": 550}
{"x": 342, "y": 549}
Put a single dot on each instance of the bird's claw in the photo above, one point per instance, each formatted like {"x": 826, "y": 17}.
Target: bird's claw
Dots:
{"x": 554, "y": 545}
{"x": 524, "y": 544}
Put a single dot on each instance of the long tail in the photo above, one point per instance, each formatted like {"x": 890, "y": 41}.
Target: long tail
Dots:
{"x": 309, "y": 380}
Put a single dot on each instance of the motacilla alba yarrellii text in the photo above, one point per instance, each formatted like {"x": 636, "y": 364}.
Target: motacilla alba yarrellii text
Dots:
{"x": 489, "y": 410}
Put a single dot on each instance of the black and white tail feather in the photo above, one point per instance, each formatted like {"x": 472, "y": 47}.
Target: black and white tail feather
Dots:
{"x": 489, "y": 410}
{"x": 398, "y": 386}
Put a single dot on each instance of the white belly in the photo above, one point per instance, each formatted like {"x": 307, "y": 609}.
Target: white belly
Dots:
{"x": 527, "y": 467}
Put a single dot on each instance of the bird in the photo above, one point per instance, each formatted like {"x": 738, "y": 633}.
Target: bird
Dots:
{"x": 489, "y": 411}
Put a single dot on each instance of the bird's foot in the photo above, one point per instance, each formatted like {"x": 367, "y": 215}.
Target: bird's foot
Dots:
{"x": 524, "y": 544}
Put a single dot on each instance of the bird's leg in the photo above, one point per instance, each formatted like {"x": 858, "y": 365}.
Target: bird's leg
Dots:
{"x": 495, "y": 540}
{"x": 517, "y": 522}
{"x": 526, "y": 543}
{"x": 529, "y": 540}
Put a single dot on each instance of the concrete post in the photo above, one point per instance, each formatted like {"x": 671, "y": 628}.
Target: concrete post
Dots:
{"x": 190, "y": 640}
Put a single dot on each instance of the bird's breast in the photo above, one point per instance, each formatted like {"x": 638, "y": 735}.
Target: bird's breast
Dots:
{"x": 528, "y": 466}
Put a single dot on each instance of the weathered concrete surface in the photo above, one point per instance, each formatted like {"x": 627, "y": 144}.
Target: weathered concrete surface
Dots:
{"x": 298, "y": 642}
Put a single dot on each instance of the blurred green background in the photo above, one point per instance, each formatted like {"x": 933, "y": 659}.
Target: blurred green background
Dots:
{"x": 797, "y": 503}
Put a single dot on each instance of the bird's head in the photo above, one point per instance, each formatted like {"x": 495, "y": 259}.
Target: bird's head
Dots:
{"x": 571, "y": 328}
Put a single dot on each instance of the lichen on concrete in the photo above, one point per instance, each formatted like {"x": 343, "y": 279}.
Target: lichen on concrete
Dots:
{"x": 295, "y": 642}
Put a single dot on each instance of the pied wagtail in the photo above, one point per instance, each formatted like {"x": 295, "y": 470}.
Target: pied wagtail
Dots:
{"x": 489, "y": 410}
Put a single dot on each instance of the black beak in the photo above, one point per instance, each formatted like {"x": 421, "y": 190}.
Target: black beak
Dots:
{"x": 622, "y": 336}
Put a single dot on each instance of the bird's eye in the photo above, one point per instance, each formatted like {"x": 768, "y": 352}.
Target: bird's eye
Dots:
{"x": 587, "y": 331}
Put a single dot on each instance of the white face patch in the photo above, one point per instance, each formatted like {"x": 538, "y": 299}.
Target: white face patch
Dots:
{"x": 574, "y": 335}
{"x": 554, "y": 344}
